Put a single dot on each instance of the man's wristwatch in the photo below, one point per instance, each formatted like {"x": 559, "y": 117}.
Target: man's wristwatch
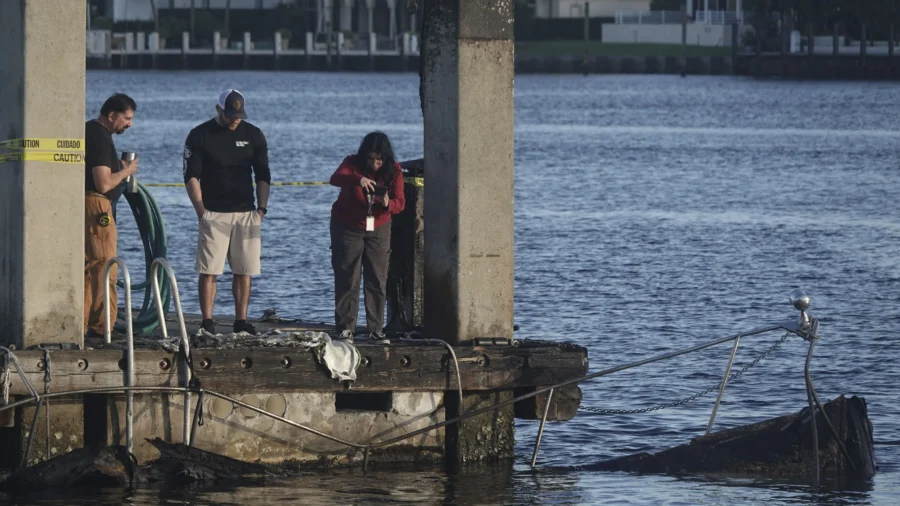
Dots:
{"x": 263, "y": 209}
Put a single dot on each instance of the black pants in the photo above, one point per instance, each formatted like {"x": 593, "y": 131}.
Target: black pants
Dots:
{"x": 349, "y": 249}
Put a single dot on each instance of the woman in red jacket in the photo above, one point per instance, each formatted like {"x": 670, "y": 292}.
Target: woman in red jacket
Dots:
{"x": 371, "y": 184}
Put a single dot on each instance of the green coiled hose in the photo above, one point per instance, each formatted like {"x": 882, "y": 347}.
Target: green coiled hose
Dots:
{"x": 152, "y": 230}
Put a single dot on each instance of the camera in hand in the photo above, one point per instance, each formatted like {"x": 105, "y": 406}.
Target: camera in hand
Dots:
{"x": 379, "y": 191}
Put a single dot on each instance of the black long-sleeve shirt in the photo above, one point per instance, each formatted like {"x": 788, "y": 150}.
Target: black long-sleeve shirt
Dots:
{"x": 222, "y": 161}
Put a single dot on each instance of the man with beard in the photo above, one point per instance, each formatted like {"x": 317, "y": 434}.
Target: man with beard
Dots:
{"x": 103, "y": 177}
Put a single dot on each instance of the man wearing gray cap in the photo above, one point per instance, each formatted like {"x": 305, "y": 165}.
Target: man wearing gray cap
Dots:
{"x": 221, "y": 159}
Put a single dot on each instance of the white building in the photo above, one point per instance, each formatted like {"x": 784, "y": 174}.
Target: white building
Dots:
{"x": 142, "y": 10}
{"x": 598, "y": 8}
{"x": 616, "y": 8}
{"x": 340, "y": 15}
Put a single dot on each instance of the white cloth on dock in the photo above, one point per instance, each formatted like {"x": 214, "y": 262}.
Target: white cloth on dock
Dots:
{"x": 342, "y": 359}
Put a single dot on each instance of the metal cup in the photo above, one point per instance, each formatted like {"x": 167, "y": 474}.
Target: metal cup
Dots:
{"x": 130, "y": 181}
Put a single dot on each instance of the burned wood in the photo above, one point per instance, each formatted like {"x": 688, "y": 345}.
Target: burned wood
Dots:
{"x": 399, "y": 367}
{"x": 99, "y": 466}
{"x": 181, "y": 463}
{"x": 89, "y": 466}
{"x": 563, "y": 405}
{"x": 781, "y": 447}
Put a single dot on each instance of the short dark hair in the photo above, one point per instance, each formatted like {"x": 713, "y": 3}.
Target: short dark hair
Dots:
{"x": 119, "y": 102}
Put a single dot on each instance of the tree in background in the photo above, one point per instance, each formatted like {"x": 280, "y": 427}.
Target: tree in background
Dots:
{"x": 525, "y": 20}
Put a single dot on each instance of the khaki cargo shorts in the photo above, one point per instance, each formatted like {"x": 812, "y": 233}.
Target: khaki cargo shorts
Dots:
{"x": 236, "y": 237}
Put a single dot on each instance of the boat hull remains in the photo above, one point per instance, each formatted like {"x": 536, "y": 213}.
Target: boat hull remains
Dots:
{"x": 777, "y": 448}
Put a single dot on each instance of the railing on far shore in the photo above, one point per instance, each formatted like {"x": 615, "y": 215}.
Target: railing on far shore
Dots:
{"x": 676, "y": 17}
{"x": 106, "y": 44}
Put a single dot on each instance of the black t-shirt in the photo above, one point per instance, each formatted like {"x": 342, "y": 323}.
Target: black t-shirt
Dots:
{"x": 222, "y": 159}
{"x": 99, "y": 150}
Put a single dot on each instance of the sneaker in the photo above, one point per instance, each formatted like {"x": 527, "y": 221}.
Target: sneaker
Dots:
{"x": 208, "y": 326}
{"x": 244, "y": 326}
{"x": 347, "y": 336}
{"x": 378, "y": 338}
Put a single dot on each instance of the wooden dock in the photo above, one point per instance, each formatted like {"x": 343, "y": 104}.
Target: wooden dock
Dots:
{"x": 403, "y": 365}
{"x": 401, "y": 387}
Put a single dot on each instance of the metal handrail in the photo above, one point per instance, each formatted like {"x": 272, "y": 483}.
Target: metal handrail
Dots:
{"x": 712, "y": 417}
{"x": 185, "y": 370}
{"x": 128, "y": 374}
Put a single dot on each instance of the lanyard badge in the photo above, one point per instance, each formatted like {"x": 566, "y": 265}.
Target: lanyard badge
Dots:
{"x": 370, "y": 220}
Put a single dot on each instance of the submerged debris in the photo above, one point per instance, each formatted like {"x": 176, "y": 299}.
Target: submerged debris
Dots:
{"x": 113, "y": 466}
{"x": 89, "y": 466}
{"x": 178, "y": 462}
{"x": 781, "y": 447}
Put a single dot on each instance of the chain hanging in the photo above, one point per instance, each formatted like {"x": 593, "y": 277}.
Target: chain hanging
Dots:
{"x": 692, "y": 397}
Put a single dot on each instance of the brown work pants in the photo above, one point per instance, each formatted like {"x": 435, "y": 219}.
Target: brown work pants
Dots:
{"x": 350, "y": 250}
{"x": 99, "y": 247}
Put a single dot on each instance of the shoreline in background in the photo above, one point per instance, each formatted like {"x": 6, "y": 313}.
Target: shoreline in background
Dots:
{"x": 792, "y": 66}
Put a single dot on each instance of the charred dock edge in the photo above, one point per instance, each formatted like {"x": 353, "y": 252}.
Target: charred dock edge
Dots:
{"x": 404, "y": 372}
{"x": 405, "y": 366}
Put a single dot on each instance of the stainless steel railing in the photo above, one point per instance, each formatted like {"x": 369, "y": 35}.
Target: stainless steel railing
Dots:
{"x": 128, "y": 374}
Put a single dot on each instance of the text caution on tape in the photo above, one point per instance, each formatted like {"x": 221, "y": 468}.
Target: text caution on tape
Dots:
{"x": 42, "y": 156}
{"x": 43, "y": 150}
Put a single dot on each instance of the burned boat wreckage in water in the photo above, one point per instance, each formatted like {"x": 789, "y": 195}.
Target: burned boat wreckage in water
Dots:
{"x": 778, "y": 448}
{"x": 835, "y": 443}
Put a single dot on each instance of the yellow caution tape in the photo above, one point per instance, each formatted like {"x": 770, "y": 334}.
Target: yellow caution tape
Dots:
{"x": 43, "y": 150}
{"x": 278, "y": 183}
{"x": 43, "y": 156}
{"x": 416, "y": 181}
{"x": 44, "y": 144}
{"x": 300, "y": 183}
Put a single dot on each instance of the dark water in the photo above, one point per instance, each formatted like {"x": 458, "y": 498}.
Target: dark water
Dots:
{"x": 652, "y": 213}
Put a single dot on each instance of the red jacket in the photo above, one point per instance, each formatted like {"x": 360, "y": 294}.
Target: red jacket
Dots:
{"x": 350, "y": 208}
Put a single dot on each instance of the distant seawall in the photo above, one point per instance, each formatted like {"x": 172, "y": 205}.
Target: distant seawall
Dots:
{"x": 563, "y": 64}
{"x": 702, "y": 65}
{"x": 792, "y": 66}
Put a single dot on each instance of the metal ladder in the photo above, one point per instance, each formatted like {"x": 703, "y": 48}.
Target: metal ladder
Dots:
{"x": 185, "y": 373}
{"x": 128, "y": 380}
